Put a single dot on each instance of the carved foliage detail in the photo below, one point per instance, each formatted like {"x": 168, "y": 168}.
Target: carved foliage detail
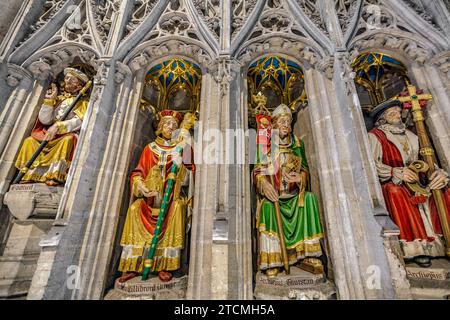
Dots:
{"x": 276, "y": 19}
{"x": 103, "y": 11}
{"x": 175, "y": 21}
{"x": 345, "y": 9}
{"x": 278, "y": 44}
{"x": 210, "y": 12}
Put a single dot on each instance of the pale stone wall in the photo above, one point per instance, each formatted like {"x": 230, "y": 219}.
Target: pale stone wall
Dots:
{"x": 8, "y": 10}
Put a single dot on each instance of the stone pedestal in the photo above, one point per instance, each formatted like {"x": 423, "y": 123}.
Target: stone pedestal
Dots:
{"x": 432, "y": 282}
{"x": 34, "y": 206}
{"x": 152, "y": 289}
{"x": 33, "y": 200}
{"x": 298, "y": 285}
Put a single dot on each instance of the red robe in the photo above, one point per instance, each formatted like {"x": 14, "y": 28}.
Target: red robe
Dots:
{"x": 148, "y": 159}
{"x": 400, "y": 200}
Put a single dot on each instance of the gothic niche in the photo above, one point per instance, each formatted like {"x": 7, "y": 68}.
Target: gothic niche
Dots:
{"x": 44, "y": 158}
{"x": 42, "y": 161}
{"x": 152, "y": 246}
{"x": 379, "y": 77}
{"x": 415, "y": 188}
{"x": 291, "y": 263}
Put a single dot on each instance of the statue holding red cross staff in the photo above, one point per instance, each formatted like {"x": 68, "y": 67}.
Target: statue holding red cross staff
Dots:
{"x": 415, "y": 190}
{"x": 416, "y": 100}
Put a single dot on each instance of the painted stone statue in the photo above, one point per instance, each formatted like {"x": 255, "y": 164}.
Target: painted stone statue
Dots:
{"x": 394, "y": 149}
{"x": 149, "y": 181}
{"x": 286, "y": 184}
{"x": 52, "y": 164}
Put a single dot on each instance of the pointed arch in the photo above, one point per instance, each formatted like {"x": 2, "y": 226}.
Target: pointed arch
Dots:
{"x": 411, "y": 46}
{"x": 165, "y": 24}
{"x": 381, "y": 17}
{"x": 300, "y": 26}
{"x": 51, "y": 60}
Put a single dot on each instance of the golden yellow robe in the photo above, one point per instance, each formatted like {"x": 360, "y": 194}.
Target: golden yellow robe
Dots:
{"x": 54, "y": 161}
{"x": 153, "y": 170}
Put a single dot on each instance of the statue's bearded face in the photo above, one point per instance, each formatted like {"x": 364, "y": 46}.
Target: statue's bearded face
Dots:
{"x": 169, "y": 125}
{"x": 283, "y": 124}
{"x": 393, "y": 115}
{"x": 72, "y": 84}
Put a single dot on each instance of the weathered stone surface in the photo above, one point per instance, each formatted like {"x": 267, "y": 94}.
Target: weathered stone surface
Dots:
{"x": 19, "y": 260}
{"x": 298, "y": 285}
{"x": 152, "y": 289}
{"x": 432, "y": 282}
{"x": 37, "y": 199}
{"x": 7, "y": 14}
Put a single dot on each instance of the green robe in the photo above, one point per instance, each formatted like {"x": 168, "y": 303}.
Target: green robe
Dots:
{"x": 300, "y": 220}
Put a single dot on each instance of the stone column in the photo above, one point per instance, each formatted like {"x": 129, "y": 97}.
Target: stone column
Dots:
{"x": 17, "y": 119}
{"x": 232, "y": 224}
{"x": 201, "y": 264}
{"x": 360, "y": 265}
{"x": 79, "y": 210}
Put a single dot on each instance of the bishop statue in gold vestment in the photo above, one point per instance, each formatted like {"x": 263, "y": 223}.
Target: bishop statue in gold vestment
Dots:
{"x": 52, "y": 164}
{"x": 148, "y": 184}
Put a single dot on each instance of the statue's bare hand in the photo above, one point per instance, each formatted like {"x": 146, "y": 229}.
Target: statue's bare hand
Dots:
{"x": 410, "y": 176}
{"x": 146, "y": 192}
{"x": 52, "y": 92}
{"x": 51, "y": 133}
{"x": 269, "y": 191}
{"x": 438, "y": 180}
{"x": 292, "y": 177}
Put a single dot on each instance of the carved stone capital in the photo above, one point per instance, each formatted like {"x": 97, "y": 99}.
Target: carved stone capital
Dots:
{"x": 122, "y": 71}
{"x": 41, "y": 70}
{"x": 16, "y": 74}
{"x": 442, "y": 62}
{"x": 346, "y": 73}
{"x": 101, "y": 76}
{"x": 326, "y": 66}
{"x": 225, "y": 71}
{"x": 139, "y": 62}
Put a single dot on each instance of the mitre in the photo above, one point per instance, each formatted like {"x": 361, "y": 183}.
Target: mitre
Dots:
{"x": 281, "y": 110}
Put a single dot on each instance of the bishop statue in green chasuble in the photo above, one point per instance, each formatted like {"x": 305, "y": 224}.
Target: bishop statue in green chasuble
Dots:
{"x": 281, "y": 178}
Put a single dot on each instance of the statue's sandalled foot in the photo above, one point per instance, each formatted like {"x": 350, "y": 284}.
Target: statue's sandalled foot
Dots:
{"x": 128, "y": 276}
{"x": 165, "y": 276}
{"x": 423, "y": 261}
{"x": 52, "y": 183}
{"x": 272, "y": 272}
